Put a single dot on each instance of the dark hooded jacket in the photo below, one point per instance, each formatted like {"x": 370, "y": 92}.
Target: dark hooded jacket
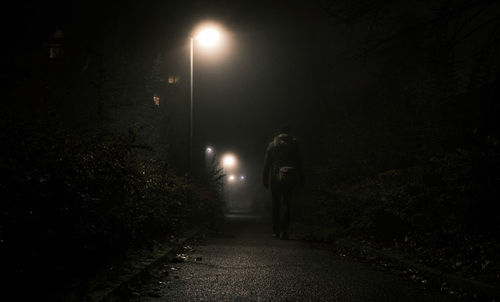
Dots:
{"x": 282, "y": 151}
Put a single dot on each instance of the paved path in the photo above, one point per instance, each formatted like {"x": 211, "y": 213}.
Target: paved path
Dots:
{"x": 244, "y": 263}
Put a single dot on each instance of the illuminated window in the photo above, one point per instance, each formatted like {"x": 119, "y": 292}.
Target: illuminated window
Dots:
{"x": 55, "y": 46}
{"x": 173, "y": 79}
{"x": 156, "y": 100}
{"x": 54, "y": 51}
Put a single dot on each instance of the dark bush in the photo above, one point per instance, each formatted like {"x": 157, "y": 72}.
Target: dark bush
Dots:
{"x": 444, "y": 209}
{"x": 74, "y": 200}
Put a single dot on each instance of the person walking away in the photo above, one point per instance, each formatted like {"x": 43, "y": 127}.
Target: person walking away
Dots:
{"x": 283, "y": 173}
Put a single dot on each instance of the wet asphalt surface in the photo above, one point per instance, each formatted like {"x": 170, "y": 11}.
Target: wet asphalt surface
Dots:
{"x": 245, "y": 263}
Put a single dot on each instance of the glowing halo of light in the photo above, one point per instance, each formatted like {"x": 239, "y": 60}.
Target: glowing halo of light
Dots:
{"x": 229, "y": 161}
{"x": 208, "y": 35}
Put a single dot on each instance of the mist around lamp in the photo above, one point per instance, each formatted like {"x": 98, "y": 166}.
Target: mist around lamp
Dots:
{"x": 228, "y": 161}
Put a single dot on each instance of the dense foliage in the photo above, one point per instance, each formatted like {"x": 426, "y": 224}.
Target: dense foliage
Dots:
{"x": 413, "y": 161}
{"x": 443, "y": 210}
{"x": 73, "y": 201}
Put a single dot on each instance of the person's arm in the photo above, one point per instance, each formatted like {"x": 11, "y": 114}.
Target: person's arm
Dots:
{"x": 267, "y": 166}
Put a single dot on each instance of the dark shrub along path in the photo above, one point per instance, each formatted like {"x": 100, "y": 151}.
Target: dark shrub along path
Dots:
{"x": 75, "y": 202}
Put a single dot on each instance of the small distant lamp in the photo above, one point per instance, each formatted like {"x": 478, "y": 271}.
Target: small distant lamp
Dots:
{"x": 228, "y": 161}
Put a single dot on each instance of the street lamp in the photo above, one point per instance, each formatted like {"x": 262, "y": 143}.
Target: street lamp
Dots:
{"x": 207, "y": 35}
{"x": 229, "y": 161}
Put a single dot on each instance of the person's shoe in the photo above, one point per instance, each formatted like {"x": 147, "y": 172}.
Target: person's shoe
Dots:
{"x": 283, "y": 236}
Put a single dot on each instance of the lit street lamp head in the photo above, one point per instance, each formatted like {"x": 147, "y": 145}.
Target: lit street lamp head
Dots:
{"x": 228, "y": 161}
{"x": 208, "y": 36}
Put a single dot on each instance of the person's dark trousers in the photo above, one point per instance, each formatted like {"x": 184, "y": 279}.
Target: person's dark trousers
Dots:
{"x": 276, "y": 209}
{"x": 285, "y": 219}
{"x": 282, "y": 198}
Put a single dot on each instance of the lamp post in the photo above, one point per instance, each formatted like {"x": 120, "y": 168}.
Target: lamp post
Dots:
{"x": 190, "y": 151}
{"x": 208, "y": 36}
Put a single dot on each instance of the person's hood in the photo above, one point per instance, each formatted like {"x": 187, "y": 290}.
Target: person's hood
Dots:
{"x": 283, "y": 137}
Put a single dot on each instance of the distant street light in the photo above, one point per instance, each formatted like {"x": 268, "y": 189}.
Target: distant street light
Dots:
{"x": 228, "y": 161}
{"x": 207, "y": 35}
{"x": 209, "y": 150}
{"x": 231, "y": 178}
{"x": 242, "y": 177}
